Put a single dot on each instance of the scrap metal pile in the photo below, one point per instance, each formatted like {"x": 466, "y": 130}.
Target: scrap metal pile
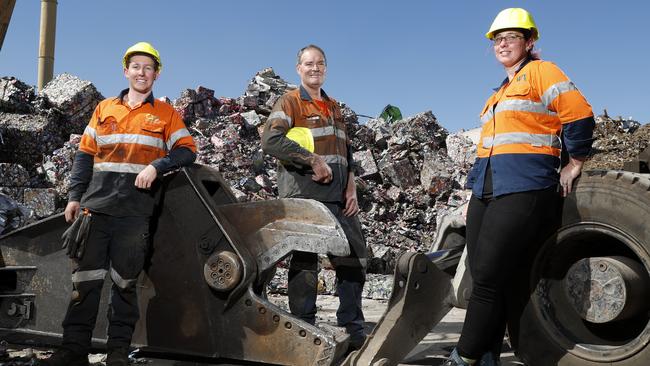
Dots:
{"x": 409, "y": 172}
{"x": 617, "y": 141}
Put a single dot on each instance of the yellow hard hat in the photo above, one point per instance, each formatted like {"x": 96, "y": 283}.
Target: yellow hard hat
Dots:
{"x": 142, "y": 47}
{"x": 302, "y": 136}
{"x": 513, "y": 18}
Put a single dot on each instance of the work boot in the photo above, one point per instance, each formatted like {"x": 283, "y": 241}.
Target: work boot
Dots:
{"x": 118, "y": 356}
{"x": 455, "y": 360}
{"x": 356, "y": 342}
{"x": 65, "y": 357}
{"x": 489, "y": 359}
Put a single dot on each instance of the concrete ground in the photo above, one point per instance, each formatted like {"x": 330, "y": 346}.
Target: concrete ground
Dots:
{"x": 431, "y": 351}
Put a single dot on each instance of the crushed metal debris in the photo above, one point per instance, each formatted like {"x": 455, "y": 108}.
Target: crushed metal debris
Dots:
{"x": 409, "y": 172}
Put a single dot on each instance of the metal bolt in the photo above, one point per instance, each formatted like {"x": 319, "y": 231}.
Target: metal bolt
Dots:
{"x": 13, "y": 309}
{"x": 317, "y": 341}
{"x": 602, "y": 266}
{"x": 302, "y": 333}
{"x": 262, "y": 310}
{"x": 248, "y": 302}
{"x": 204, "y": 244}
{"x": 276, "y": 318}
{"x": 288, "y": 325}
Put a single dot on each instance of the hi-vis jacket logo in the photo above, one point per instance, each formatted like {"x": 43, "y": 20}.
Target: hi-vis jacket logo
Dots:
{"x": 521, "y": 77}
{"x": 150, "y": 118}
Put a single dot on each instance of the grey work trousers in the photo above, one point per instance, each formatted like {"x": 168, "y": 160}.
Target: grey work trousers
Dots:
{"x": 350, "y": 278}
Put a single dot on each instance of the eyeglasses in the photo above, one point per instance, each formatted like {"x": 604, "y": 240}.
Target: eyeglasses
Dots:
{"x": 509, "y": 38}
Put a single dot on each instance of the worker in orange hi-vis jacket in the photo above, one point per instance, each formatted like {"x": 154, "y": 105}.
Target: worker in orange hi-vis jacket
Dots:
{"x": 518, "y": 178}
{"x": 130, "y": 141}
{"x": 307, "y": 134}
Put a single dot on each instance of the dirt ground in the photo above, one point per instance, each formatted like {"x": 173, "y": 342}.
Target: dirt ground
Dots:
{"x": 431, "y": 351}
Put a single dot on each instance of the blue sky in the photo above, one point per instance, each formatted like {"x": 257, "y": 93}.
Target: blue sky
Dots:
{"x": 417, "y": 55}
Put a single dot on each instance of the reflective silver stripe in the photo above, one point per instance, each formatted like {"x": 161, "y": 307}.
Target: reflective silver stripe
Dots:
{"x": 283, "y": 116}
{"x": 118, "y": 167}
{"x": 537, "y": 140}
{"x": 522, "y": 105}
{"x": 128, "y": 138}
{"x": 82, "y": 276}
{"x": 90, "y": 132}
{"x": 335, "y": 159}
{"x": 327, "y": 131}
{"x": 183, "y": 132}
{"x": 555, "y": 90}
{"x": 487, "y": 117}
{"x": 119, "y": 281}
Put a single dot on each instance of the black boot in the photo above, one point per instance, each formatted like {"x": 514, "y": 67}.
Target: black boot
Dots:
{"x": 489, "y": 359}
{"x": 455, "y": 360}
{"x": 356, "y": 342}
{"x": 65, "y": 357}
{"x": 118, "y": 356}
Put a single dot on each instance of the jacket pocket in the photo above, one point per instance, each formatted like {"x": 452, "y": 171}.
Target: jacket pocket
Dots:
{"x": 519, "y": 89}
{"x": 107, "y": 126}
{"x": 153, "y": 127}
{"x": 313, "y": 121}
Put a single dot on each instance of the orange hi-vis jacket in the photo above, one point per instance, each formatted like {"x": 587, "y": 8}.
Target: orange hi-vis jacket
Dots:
{"x": 123, "y": 141}
{"x": 525, "y": 124}
{"x": 297, "y": 109}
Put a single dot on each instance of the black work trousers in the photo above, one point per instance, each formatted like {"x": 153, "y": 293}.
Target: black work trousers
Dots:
{"x": 116, "y": 246}
{"x": 350, "y": 278}
{"x": 501, "y": 232}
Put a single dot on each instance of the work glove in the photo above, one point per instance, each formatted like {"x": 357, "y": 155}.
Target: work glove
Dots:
{"x": 76, "y": 236}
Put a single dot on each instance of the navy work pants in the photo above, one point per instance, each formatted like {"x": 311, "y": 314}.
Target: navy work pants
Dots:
{"x": 116, "y": 246}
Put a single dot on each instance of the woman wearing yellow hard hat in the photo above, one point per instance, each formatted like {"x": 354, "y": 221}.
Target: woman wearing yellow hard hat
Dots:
{"x": 518, "y": 178}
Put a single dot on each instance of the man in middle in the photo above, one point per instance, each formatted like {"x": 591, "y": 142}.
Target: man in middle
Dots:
{"x": 307, "y": 134}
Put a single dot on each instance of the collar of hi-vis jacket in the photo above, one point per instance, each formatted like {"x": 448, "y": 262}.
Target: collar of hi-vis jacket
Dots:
{"x": 304, "y": 95}
{"x": 149, "y": 99}
{"x": 507, "y": 80}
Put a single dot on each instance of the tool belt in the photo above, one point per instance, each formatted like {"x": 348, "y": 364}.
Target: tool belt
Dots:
{"x": 76, "y": 236}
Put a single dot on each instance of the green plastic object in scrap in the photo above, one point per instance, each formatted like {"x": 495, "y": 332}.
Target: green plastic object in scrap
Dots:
{"x": 391, "y": 114}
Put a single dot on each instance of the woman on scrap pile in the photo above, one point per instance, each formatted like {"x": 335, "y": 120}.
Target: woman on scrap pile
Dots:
{"x": 518, "y": 178}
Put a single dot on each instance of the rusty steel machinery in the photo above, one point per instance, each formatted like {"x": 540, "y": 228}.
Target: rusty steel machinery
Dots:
{"x": 202, "y": 292}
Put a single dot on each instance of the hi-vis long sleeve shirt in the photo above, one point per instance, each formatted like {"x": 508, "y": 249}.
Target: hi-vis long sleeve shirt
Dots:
{"x": 525, "y": 123}
{"x": 325, "y": 123}
{"x": 118, "y": 143}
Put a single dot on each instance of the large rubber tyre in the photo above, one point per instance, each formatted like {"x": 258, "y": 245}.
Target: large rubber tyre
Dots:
{"x": 607, "y": 215}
